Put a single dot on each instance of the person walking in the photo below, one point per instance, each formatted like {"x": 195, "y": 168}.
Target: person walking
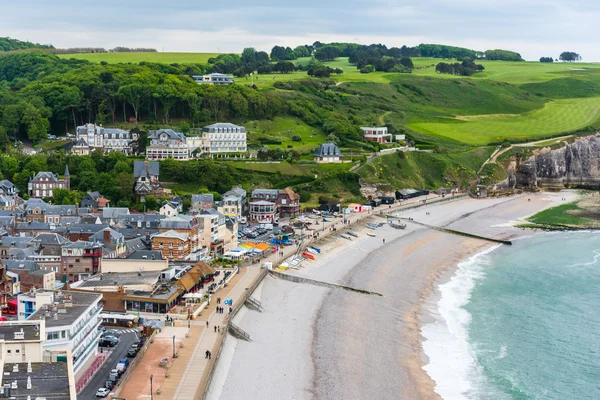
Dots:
{"x": 206, "y": 324}
{"x": 209, "y": 355}
{"x": 219, "y": 329}
{"x": 206, "y": 354}
{"x": 383, "y": 240}
{"x": 215, "y": 329}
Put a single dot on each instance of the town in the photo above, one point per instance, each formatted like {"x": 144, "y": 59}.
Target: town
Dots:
{"x": 89, "y": 282}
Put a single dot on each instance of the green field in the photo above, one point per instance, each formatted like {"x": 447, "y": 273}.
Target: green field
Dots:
{"x": 163, "y": 58}
{"x": 560, "y": 215}
{"x": 282, "y": 130}
{"x": 557, "y": 117}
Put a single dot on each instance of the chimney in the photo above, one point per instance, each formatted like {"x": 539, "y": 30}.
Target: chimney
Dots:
{"x": 107, "y": 236}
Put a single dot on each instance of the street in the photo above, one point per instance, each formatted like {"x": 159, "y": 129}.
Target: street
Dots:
{"x": 118, "y": 352}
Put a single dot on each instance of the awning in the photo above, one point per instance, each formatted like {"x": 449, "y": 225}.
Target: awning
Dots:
{"x": 119, "y": 317}
{"x": 197, "y": 295}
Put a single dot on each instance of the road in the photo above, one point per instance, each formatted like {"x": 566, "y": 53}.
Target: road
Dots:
{"x": 118, "y": 353}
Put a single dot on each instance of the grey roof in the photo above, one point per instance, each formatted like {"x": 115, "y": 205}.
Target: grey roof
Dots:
{"x": 145, "y": 255}
{"x": 81, "y": 244}
{"x": 6, "y": 201}
{"x": 114, "y": 212}
{"x": 81, "y": 302}
{"x": 80, "y": 143}
{"x": 115, "y": 237}
{"x": 112, "y": 279}
{"x": 49, "y": 381}
{"x": 70, "y": 220}
{"x": 139, "y": 168}
{"x": 21, "y": 253}
{"x": 6, "y": 220}
{"x": 328, "y": 150}
{"x": 17, "y": 241}
{"x": 61, "y": 210}
{"x": 20, "y": 265}
{"x": 236, "y": 191}
{"x": 34, "y": 226}
{"x": 179, "y": 222}
{"x": 51, "y": 239}
{"x": 94, "y": 195}
{"x": 7, "y": 185}
{"x": 49, "y": 175}
{"x": 203, "y": 197}
{"x": 7, "y": 331}
{"x": 35, "y": 203}
{"x": 170, "y": 132}
{"x": 134, "y": 218}
{"x": 223, "y": 127}
{"x": 87, "y": 228}
{"x": 272, "y": 193}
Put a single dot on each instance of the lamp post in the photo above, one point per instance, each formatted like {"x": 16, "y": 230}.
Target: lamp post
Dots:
{"x": 173, "y": 346}
{"x": 151, "y": 395}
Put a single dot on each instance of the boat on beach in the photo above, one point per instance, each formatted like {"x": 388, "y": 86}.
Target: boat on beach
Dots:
{"x": 352, "y": 234}
{"x": 371, "y": 234}
{"x": 346, "y": 237}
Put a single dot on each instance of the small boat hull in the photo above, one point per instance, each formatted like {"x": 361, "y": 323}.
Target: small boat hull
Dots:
{"x": 371, "y": 234}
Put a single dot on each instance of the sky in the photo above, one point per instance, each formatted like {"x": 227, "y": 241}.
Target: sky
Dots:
{"x": 533, "y": 28}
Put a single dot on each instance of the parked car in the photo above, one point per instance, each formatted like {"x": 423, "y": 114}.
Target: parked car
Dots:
{"x": 115, "y": 332}
{"x": 102, "y": 392}
{"x": 132, "y": 352}
{"x": 101, "y": 328}
{"x": 109, "y": 341}
{"x": 109, "y": 384}
{"x": 114, "y": 373}
{"x": 121, "y": 367}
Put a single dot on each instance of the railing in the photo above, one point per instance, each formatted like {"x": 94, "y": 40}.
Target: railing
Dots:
{"x": 91, "y": 372}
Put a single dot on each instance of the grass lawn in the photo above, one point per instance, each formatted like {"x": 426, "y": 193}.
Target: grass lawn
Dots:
{"x": 556, "y": 117}
{"x": 164, "y": 58}
{"x": 283, "y": 129}
{"x": 286, "y": 168}
{"x": 559, "y": 215}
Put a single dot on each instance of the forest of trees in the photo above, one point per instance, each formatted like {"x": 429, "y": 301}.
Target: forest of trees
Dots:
{"x": 78, "y": 50}
{"x": 466, "y": 68}
{"x": 546, "y": 60}
{"x": 8, "y": 44}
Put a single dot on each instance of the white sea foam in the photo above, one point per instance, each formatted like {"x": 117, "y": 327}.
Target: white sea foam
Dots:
{"x": 451, "y": 362}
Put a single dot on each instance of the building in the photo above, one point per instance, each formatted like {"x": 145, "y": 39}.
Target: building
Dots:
{"x": 224, "y": 138}
{"x": 263, "y": 211}
{"x": 80, "y": 260}
{"x": 186, "y": 224}
{"x": 287, "y": 201}
{"x": 166, "y": 143}
{"x": 138, "y": 261}
{"x": 29, "y": 275}
{"x": 230, "y": 206}
{"x": 328, "y": 153}
{"x": 49, "y": 252}
{"x": 376, "y": 134}
{"x": 72, "y": 320}
{"x": 169, "y": 209}
{"x": 44, "y": 183}
{"x": 94, "y": 201}
{"x": 7, "y": 188}
{"x": 213, "y": 79}
{"x": 238, "y": 193}
{"x": 78, "y": 232}
{"x": 92, "y": 137}
{"x": 39, "y": 380}
{"x": 173, "y": 245}
{"x": 21, "y": 341}
{"x": 146, "y": 179}
{"x": 201, "y": 202}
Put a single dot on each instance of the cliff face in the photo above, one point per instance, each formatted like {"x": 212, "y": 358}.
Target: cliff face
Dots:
{"x": 575, "y": 165}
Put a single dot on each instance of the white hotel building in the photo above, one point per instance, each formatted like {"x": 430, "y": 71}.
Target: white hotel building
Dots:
{"x": 71, "y": 322}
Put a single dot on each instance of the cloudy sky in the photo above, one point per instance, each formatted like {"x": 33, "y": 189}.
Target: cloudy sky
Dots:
{"x": 533, "y": 28}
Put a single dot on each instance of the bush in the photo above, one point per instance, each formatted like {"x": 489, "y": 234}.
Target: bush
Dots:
{"x": 297, "y": 138}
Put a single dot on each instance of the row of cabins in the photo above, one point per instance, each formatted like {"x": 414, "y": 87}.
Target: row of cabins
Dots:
{"x": 220, "y": 138}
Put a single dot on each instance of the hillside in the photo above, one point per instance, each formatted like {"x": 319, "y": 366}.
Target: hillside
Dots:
{"x": 461, "y": 119}
{"x": 8, "y": 44}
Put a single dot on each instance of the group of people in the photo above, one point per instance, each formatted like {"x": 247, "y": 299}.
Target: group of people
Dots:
{"x": 208, "y": 354}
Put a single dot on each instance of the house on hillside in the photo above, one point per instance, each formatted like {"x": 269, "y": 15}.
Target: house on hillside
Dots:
{"x": 224, "y": 138}
{"x": 166, "y": 143}
{"x": 213, "y": 79}
{"x": 202, "y": 202}
{"x": 92, "y": 137}
{"x": 44, "y": 183}
{"x": 146, "y": 174}
{"x": 377, "y": 134}
{"x": 94, "y": 201}
{"x": 328, "y": 153}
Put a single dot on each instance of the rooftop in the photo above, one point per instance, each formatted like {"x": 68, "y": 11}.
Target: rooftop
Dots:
{"x": 145, "y": 255}
{"x": 172, "y": 234}
{"x": 51, "y": 239}
{"x": 142, "y": 168}
{"x": 328, "y": 149}
{"x": 30, "y": 330}
{"x": 49, "y": 381}
{"x": 223, "y": 127}
{"x": 115, "y": 279}
{"x": 80, "y": 304}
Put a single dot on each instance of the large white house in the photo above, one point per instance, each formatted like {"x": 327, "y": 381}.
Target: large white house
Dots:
{"x": 224, "y": 138}
{"x": 166, "y": 143}
{"x": 92, "y": 137}
{"x": 71, "y": 322}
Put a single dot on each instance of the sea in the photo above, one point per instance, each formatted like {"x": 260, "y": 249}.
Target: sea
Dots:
{"x": 519, "y": 322}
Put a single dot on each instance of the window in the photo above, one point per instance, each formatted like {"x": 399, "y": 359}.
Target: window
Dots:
{"x": 17, "y": 351}
{"x": 52, "y": 335}
{"x": 8, "y": 351}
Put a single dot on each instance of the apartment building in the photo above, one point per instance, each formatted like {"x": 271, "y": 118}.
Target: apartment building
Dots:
{"x": 80, "y": 260}
{"x": 166, "y": 143}
{"x": 224, "y": 138}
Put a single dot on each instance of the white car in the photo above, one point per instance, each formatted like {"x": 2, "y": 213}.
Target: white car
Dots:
{"x": 102, "y": 392}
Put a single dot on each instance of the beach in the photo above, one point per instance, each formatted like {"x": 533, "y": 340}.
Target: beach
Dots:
{"x": 313, "y": 342}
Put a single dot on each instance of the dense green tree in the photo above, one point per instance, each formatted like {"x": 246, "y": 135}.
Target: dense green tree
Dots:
{"x": 569, "y": 56}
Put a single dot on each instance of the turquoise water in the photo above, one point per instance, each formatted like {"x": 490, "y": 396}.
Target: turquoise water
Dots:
{"x": 521, "y": 322}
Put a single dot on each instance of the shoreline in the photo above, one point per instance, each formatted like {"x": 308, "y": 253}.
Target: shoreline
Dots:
{"x": 344, "y": 345}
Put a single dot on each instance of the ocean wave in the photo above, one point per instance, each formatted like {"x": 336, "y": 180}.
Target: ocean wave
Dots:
{"x": 452, "y": 364}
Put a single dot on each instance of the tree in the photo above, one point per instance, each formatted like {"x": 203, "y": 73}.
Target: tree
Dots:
{"x": 407, "y": 62}
{"x": 327, "y": 53}
{"x": 134, "y": 94}
{"x": 546, "y": 59}
{"x": 151, "y": 203}
{"x": 569, "y": 56}
{"x": 278, "y": 53}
